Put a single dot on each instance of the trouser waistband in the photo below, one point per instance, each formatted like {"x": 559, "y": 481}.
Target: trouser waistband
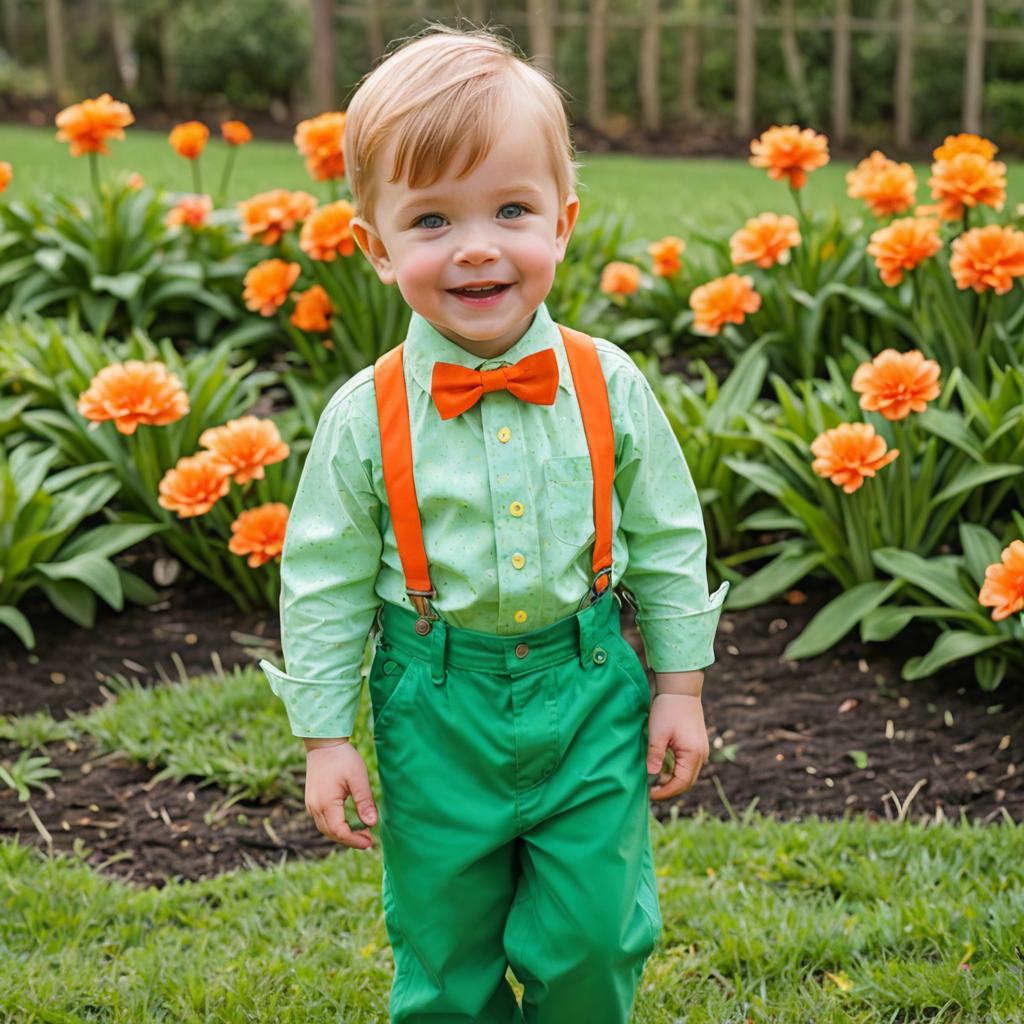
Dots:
{"x": 576, "y": 636}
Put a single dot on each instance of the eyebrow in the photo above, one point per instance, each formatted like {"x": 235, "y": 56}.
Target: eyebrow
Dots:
{"x": 520, "y": 188}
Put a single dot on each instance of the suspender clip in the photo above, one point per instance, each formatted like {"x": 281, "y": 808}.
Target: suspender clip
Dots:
{"x": 421, "y": 602}
{"x": 595, "y": 590}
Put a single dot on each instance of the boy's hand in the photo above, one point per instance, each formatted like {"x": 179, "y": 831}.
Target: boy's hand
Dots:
{"x": 676, "y": 721}
{"x": 334, "y": 769}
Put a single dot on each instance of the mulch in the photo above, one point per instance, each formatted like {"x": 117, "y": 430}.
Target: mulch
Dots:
{"x": 835, "y": 735}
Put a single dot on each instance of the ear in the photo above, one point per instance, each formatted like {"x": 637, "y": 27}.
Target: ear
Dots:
{"x": 373, "y": 248}
{"x": 566, "y": 222}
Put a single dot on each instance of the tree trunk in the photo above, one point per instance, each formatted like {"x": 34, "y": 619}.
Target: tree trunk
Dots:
{"x": 11, "y": 28}
{"x": 55, "y": 49}
{"x": 324, "y": 55}
{"x": 122, "y": 36}
{"x": 794, "y": 64}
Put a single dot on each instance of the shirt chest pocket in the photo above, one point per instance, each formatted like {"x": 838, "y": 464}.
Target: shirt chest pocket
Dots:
{"x": 569, "y": 499}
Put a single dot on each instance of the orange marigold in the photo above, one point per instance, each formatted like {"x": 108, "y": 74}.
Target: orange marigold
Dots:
{"x": 190, "y": 211}
{"x": 319, "y": 141}
{"x": 897, "y": 383}
{"x": 848, "y": 453}
{"x": 1003, "y": 589}
{"x": 195, "y": 485}
{"x": 134, "y": 392}
{"x": 259, "y": 533}
{"x": 765, "y": 240}
{"x": 267, "y": 285}
{"x": 619, "y": 278}
{"x": 665, "y": 256}
{"x": 988, "y": 257}
{"x": 725, "y": 300}
{"x": 787, "y": 151}
{"x": 189, "y": 139}
{"x": 87, "y": 126}
{"x": 312, "y": 310}
{"x": 886, "y": 186}
{"x": 968, "y": 179}
{"x": 327, "y": 232}
{"x": 965, "y": 142}
{"x": 136, "y": 181}
{"x": 245, "y": 446}
{"x": 268, "y": 215}
{"x": 235, "y": 133}
{"x": 6, "y": 173}
{"x": 902, "y": 245}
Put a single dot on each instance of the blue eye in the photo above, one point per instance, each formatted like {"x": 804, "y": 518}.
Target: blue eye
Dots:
{"x": 513, "y": 206}
{"x": 427, "y": 216}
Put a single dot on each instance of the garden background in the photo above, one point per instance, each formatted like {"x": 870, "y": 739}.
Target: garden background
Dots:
{"x": 802, "y": 219}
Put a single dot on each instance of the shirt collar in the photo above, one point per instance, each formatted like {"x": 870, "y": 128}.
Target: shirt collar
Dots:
{"x": 425, "y": 345}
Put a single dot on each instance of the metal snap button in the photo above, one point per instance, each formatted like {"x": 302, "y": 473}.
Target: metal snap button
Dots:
{"x": 423, "y": 626}
{"x": 522, "y": 650}
{"x": 600, "y": 655}
{"x": 390, "y": 668}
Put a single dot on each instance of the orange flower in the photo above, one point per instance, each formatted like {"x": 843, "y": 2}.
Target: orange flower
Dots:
{"x": 87, "y": 126}
{"x": 620, "y": 278}
{"x": 968, "y": 179}
{"x": 897, "y": 383}
{"x": 788, "y": 151}
{"x": 189, "y": 139}
{"x": 965, "y": 142}
{"x": 191, "y": 211}
{"x": 195, "y": 485}
{"x": 1003, "y": 589}
{"x": 312, "y": 310}
{"x": 319, "y": 141}
{"x": 132, "y": 393}
{"x": 724, "y": 300}
{"x": 988, "y": 257}
{"x": 6, "y": 173}
{"x": 269, "y": 214}
{"x": 902, "y": 245}
{"x": 259, "y": 533}
{"x": 236, "y": 133}
{"x": 939, "y": 210}
{"x": 665, "y": 256}
{"x": 848, "y": 453}
{"x": 886, "y": 186}
{"x": 136, "y": 181}
{"x": 245, "y": 446}
{"x": 765, "y": 240}
{"x": 327, "y": 233}
{"x": 267, "y": 285}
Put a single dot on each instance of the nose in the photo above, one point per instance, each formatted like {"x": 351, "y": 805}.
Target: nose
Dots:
{"x": 475, "y": 248}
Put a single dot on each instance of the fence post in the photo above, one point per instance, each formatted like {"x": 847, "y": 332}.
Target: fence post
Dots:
{"x": 540, "y": 23}
{"x": 650, "y": 66}
{"x": 746, "y": 14}
{"x": 841, "y": 72}
{"x": 904, "y": 73}
{"x": 374, "y": 30}
{"x": 689, "y": 62}
{"x": 323, "y": 70}
{"x": 597, "y": 110}
{"x": 974, "y": 67}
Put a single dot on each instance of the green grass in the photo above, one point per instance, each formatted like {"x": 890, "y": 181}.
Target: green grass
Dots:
{"x": 665, "y": 195}
{"x": 770, "y": 922}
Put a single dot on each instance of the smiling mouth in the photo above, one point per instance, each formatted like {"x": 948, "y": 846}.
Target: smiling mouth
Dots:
{"x": 480, "y": 293}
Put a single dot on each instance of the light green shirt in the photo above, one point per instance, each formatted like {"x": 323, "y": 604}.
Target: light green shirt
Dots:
{"x": 505, "y": 493}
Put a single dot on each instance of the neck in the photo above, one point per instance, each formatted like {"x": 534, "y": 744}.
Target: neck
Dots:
{"x": 487, "y": 348}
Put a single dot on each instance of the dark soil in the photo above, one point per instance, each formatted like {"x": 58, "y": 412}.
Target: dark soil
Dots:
{"x": 783, "y": 737}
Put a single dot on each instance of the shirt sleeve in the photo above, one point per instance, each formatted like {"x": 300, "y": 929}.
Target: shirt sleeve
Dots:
{"x": 329, "y": 566}
{"x": 664, "y": 529}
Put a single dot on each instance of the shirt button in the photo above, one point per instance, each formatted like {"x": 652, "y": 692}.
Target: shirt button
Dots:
{"x": 520, "y": 616}
{"x": 517, "y": 508}
{"x": 518, "y": 561}
{"x": 522, "y": 650}
{"x": 504, "y": 435}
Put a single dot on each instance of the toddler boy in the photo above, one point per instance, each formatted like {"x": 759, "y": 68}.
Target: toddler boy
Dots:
{"x": 477, "y": 494}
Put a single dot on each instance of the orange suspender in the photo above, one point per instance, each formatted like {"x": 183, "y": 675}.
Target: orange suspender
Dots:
{"x": 396, "y": 456}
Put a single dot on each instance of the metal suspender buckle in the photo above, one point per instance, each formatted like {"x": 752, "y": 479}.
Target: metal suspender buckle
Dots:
{"x": 594, "y": 592}
{"x": 421, "y": 602}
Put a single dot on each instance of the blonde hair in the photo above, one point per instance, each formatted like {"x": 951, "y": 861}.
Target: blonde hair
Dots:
{"x": 437, "y": 91}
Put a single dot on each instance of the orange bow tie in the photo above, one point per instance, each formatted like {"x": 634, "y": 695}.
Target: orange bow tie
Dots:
{"x": 457, "y": 388}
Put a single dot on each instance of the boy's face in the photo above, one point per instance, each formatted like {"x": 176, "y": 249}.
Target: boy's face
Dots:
{"x": 501, "y": 224}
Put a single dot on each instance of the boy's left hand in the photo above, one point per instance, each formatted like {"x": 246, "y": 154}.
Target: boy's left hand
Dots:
{"x": 676, "y": 721}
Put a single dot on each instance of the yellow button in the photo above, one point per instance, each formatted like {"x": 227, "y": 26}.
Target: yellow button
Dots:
{"x": 504, "y": 434}
{"x": 518, "y": 561}
{"x": 520, "y": 616}
{"x": 517, "y": 508}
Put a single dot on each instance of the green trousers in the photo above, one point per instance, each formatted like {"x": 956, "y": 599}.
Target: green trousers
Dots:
{"x": 514, "y": 819}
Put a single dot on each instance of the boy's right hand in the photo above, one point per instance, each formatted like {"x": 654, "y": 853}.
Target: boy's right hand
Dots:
{"x": 333, "y": 772}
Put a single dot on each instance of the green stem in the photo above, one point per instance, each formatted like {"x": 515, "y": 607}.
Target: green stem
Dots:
{"x": 229, "y": 164}
{"x": 94, "y": 171}
{"x": 196, "y": 177}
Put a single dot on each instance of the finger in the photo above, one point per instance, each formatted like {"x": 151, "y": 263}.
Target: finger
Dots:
{"x": 362, "y": 797}
{"x": 338, "y": 829}
{"x": 655, "y": 754}
{"x": 682, "y": 779}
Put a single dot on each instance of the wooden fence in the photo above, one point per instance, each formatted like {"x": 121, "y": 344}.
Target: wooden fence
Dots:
{"x": 537, "y": 25}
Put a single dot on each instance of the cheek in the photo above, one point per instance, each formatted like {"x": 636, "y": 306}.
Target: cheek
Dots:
{"x": 418, "y": 269}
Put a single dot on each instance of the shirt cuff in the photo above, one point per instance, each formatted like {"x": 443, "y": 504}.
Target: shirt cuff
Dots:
{"x": 683, "y": 642}
{"x": 316, "y": 709}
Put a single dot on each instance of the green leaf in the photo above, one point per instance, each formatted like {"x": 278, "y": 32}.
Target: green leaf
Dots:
{"x": 839, "y": 616}
{"x": 769, "y": 581}
{"x": 72, "y": 599}
{"x": 938, "y": 578}
{"x": 981, "y": 550}
{"x": 974, "y": 476}
{"x": 109, "y": 539}
{"x": 951, "y": 646}
{"x": 97, "y": 573}
{"x": 125, "y": 286}
{"x": 17, "y": 624}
